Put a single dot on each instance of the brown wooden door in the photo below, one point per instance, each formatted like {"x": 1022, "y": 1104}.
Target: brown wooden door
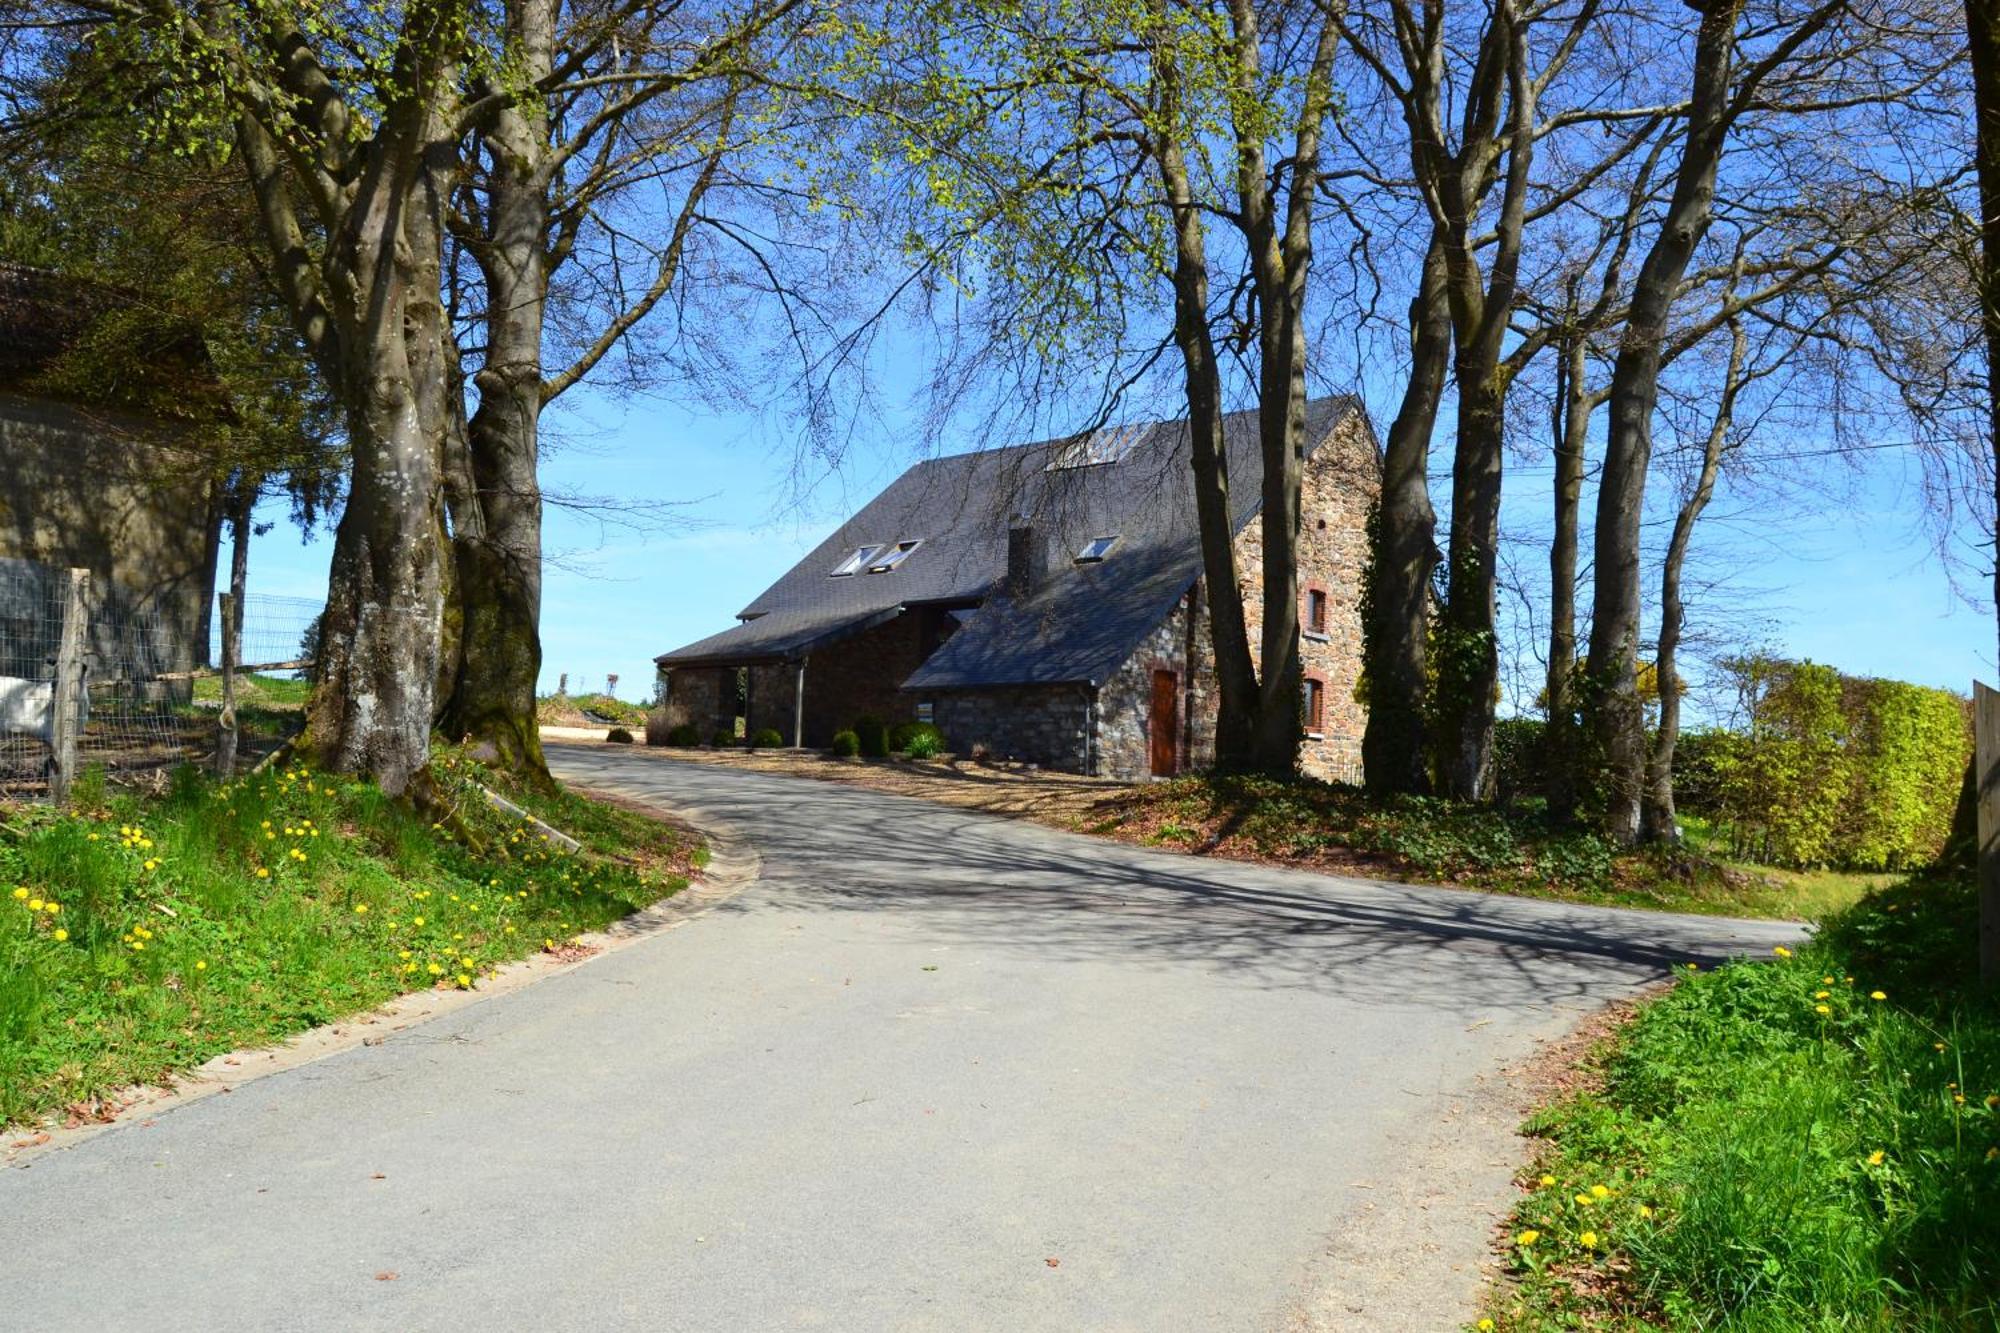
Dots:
{"x": 1163, "y": 727}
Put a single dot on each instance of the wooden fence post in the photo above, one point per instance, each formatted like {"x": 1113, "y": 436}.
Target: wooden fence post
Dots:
{"x": 1986, "y": 776}
{"x": 67, "y": 694}
{"x": 225, "y": 729}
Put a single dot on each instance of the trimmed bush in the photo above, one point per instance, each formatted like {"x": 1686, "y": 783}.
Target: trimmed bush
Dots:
{"x": 921, "y": 740}
{"x": 723, "y": 740}
{"x": 767, "y": 738}
{"x": 684, "y": 736}
{"x": 618, "y": 736}
{"x": 845, "y": 745}
{"x": 873, "y": 734}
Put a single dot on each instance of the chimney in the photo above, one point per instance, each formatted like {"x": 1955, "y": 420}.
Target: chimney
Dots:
{"x": 1024, "y": 560}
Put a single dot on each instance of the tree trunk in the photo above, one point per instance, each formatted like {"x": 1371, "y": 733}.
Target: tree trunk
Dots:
{"x": 1657, "y": 818}
{"x": 1572, "y": 429}
{"x": 1395, "y": 748}
{"x": 1617, "y": 716}
{"x": 1469, "y": 664}
{"x": 1982, "y": 21}
{"x": 497, "y": 549}
{"x": 372, "y": 710}
{"x": 242, "y": 503}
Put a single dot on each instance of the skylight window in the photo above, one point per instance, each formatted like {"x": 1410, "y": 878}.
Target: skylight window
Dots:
{"x": 855, "y": 563}
{"x": 887, "y": 558}
{"x": 1095, "y": 550}
{"x": 1100, "y": 447}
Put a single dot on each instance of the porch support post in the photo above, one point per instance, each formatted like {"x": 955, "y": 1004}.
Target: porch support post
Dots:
{"x": 799, "y": 708}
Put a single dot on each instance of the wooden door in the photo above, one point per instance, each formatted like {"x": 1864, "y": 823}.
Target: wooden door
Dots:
{"x": 1163, "y": 725}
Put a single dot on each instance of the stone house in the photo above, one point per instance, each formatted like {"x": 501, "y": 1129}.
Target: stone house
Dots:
{"x": 122, "y": 492}
{"x": 1046, "y": 603}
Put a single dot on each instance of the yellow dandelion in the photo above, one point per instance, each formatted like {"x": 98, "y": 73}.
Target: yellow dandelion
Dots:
{"x": 1875, "y": 1158}
{"x": 1876, "y": 995}
{"x": 35, "y": 904}
{"x": 1484, "y": 1326}
{"x": 1821, "y": 1009}
{"x": 433, "y": 969}
{"x": 464, "y": 981}
{"x": 263, "y": 872}
{"x": 1585, "y": 1200}
{"x": 416, "y": 921}
{"x": 1822, "y": 994}
{"x": 1781, "y": 951}
{"x": 1645, "y": 1211}
{"x": 60, "y": 935}
{"x": 1588, "y": 1240}
{"x": 1527, "y": 1238}
{"x": 201, "y": 965}
{"x": 52, "y": 908}
{"x": 1548, "y": 1181}
{"x": 138, "y": 946}
{"x": 20, "y": 893}
{"x": 1599, "y": 1192}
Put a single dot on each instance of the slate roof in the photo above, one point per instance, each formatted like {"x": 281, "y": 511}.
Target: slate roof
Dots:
{"x": 1079, "y": 622}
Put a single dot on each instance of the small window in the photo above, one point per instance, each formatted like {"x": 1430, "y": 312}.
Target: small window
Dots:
{"x": 854, "y": 563}
{"x": 1100, "y": 448}
{"x": 1315, "y": 611}
{"x": 926, "y": 711}
{"x": 1095, "y": 550}
{"x": 887, "y": 558}
{"x": 1315, "y": 706}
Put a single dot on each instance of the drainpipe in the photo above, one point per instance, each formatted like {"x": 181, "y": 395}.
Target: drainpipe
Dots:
{"x": 1090, "y": 730}
{"x": 799, "y": 709}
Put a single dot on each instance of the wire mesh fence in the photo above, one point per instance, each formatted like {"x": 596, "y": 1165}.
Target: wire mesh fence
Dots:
{"x": 91, "y": 679}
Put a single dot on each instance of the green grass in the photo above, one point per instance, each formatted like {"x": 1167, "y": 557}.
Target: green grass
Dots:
{"x": 1781, "y": 1150}
{"x": 566, "y": 710}
{"x": 142, "y": 937}
{"x": 256, "y": 689}
{"x": 1436, "y": 841}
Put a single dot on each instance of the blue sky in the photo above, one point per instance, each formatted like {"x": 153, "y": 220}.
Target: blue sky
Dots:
{"x": 1849, "y": 580}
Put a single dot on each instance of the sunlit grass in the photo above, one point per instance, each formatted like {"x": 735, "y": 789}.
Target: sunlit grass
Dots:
{"x": 139, "y": 937}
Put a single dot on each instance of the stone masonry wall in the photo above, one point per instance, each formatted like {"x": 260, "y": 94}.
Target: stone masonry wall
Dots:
{"x": 704, "y": 697}
{"x": 1040, "y": 724}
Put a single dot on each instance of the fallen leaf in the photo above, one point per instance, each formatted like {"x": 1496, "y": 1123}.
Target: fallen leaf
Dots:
{"x": 1053, "y": 1262}
{"x": 378, "y": 1176}
{"x": 385, "y": 1276}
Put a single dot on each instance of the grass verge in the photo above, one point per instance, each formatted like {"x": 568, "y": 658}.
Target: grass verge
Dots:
{"x": 1339, "y": 828}
{"x": 141, "y": 937}
{"x": 1810, "y": 1143}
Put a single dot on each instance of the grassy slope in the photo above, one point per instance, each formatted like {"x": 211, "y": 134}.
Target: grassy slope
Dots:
{"x": 1780, "y": 1149}
{"x": 1327, "y": 826}
{"x": 138, "y": 938}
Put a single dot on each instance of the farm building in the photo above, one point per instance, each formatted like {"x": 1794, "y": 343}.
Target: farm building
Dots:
{"x": 122, "y": 493}
{"x": 1046, "y": 603}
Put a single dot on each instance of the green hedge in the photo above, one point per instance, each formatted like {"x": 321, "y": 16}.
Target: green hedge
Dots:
{"x": 1832, "y": 770}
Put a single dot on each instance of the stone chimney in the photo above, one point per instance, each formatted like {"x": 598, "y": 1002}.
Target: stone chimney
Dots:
{"x": 1024, "y": 560}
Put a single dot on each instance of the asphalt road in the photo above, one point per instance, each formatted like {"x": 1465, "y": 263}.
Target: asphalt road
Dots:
{"x": 933, "y": 1070}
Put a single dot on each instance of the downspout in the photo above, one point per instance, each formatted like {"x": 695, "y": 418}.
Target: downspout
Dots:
{"x": 799, "y": 709}
{"x": 1090, "y": 729}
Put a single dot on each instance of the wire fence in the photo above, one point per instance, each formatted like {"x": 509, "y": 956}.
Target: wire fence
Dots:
{"x": 92, "y": 679}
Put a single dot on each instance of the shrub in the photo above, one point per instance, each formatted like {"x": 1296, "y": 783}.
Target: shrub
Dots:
{"x": 618, "y": 736}
{"x": 873, "y": 734}
{"x": 722, "y": 739}
{"x": 845, "y": 744}
{"x": 767, "y": 738}
{"x": 683, "y": 736}
{"x": 923, "y": 742}
{"x": 1520, "y": 760}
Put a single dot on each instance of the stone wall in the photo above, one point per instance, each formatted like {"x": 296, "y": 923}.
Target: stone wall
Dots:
{"x": 703, "y": 697}
{"x": 1040, "y": 724}
{"x": 1125, "y": 703}
{"x": 86, "y": 489}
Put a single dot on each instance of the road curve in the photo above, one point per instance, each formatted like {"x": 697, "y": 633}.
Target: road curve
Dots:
{"x": 935, "y": 1070}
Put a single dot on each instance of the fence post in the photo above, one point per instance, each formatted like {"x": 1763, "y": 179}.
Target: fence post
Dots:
{"x": 1986, "y": 777}
{"x": 225, "y": 727}
{"x": 66, "y": 695}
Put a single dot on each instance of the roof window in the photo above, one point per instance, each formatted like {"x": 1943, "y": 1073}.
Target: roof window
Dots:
{"x": 855, "y": 563}
{"x": 1109, "y": 444}
{"x": 887, "y": 558}
{"x": 1095, "y": 550}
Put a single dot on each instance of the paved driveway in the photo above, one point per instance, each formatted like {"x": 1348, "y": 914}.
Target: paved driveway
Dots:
{"x": 933, "y": 1071}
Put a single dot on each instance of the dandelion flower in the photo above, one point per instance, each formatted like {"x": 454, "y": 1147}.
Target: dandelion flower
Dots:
{"x": 1599, "y": 1192}
{"x": 464, "y": 981}
{"x": 434, "y": 969}
{"x": 1484, "y": 1326}
{"x": 201, "y": 965}
{"x": 361, "y": 909}
{"x": 1527, "y": 1238}
{"x": 1645, "y": 1211}
{"x": 1876, "y": 995}
{"x": 1875, "y": 1158}
{"x": 1782, "y": 951}
{"x": 1588, "y": 1240}
{"x": 263, "y": 872}
{"x": 52, "y": 907}
{"x": 1822, "y": 994}
{"x": 416, "y": 921}
{"x": 1548, "y": 1181}
{"x": 60, "y": 935}
{"x": 1821, "y": 1010}
{"x": 1585, "y": 1200}
{"x": 20, "y": 893}
{"x": 35, "y": 904}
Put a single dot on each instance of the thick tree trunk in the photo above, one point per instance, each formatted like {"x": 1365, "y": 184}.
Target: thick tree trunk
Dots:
{"x": 1395, "y": 748}
{"x": 497, "y": 546}
{"x": 1572, "y": 428}
{"x": 1469, "y": 664}
{"x": 1982, "y": 21}
{"x": 372, "y": 710}
{"x": 1617, "y": 715}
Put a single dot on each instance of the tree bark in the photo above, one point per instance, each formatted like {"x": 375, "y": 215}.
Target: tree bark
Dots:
{"x": 1395, "y": 748}
{"x": 1982, "y": 21}
{"x": 497, "y": 547}
{"x": 1617, "y": 716}
{"x": 1657, "y": 819}
{"x": 1572, "y": 428}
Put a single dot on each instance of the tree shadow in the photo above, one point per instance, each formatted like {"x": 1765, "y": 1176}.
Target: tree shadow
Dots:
{"x": 991, "y": 883}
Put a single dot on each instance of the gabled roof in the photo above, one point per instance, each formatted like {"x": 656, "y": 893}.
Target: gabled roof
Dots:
{"x": 1080, "y": 621}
